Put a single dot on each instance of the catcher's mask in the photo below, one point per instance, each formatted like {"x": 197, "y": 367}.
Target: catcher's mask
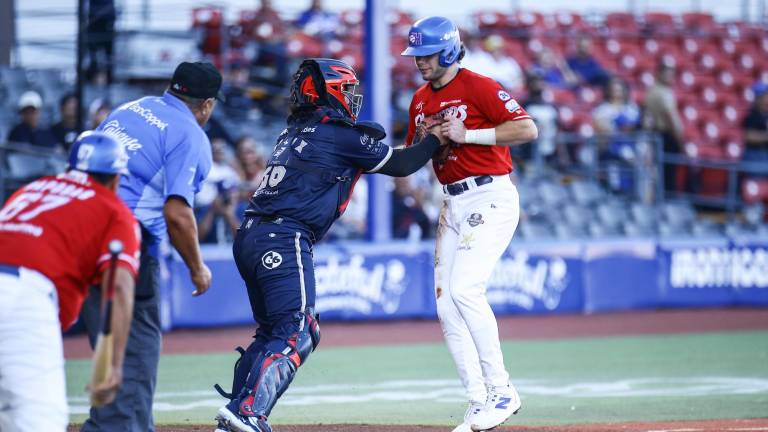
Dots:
{"x": 326, "y": 82}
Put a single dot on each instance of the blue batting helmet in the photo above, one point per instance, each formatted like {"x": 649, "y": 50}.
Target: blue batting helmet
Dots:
{"x": 434, "y": 34}
{"x": 97, "y": 152}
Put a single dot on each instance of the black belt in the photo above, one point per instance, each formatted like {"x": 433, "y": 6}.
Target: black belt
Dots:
{"x": 9, "y": 269}
{"x": 271, "y": 219}
{"x": 461, "y": 187}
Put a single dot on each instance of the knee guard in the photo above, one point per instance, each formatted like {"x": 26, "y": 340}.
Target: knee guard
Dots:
{"x": 275, "y": 373}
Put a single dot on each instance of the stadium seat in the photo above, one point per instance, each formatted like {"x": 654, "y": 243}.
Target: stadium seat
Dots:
{"x": 586, "y": 192}
{"x": 754, "y": 190}
{"x": 577, "y": 216}
{"x": 26, "y": 166}
{"x": 678, "y": 213}
{"x": 598, "y": 230}
{"x": 754, "y": 214}
{"x": 705, "y": 228}
{"x": 621, "y": 23}
{"x": 644, "y": 215}
{"x": 668, "y": 230}
{"x": 660, "y": 23}
{"x": 552, "y": 194}
{"x": 532, "y": 230}
{"x": 611, "y": 215}
{"x": 698, "y": 21}
{"x": 566, "y": 232}
{"x": 633, "y": 229}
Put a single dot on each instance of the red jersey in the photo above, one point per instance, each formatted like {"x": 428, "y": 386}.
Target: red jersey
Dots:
{"x": 481, "y": 103}
{"x": 60, "y": 226}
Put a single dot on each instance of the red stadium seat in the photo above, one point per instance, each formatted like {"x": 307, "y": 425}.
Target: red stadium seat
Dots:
{"x": 699, "y": 22}
{"x": 621, "y": 23}
{"x": 208, "y": 17}
{"x": 570, "y": 21}
{"x": 733, "y": 144}
{"x": 303, "y": 45}
{"x": 660, "y": 22}
{"x": 527, "y": 19}
{"x": 754, "y": 189}
{"x": 490, "y": 21}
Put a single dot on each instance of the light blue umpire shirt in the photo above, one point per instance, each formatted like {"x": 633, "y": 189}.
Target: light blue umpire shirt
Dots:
{"x": 169, "y": 154}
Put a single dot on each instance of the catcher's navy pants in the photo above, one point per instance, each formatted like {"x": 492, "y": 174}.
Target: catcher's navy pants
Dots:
{"x": 274, "y": 257}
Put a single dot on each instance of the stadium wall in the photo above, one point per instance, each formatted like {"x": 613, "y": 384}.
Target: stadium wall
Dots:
{"x": 394, "y": 280}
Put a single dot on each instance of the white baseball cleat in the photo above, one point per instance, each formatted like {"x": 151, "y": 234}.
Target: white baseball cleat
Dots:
{"x": 502, "y": 402}
{"x": 464, "y": 427}
{"x": 473, "y": 409}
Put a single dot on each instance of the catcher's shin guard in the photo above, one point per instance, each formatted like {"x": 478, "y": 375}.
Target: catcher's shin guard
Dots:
{"x": 276, "y": 371}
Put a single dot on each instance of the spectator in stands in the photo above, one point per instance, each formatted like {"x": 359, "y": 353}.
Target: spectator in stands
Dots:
{"x": 238, "y": 104}
{"x": 28, "y": 130}
{"x": 318, "y": 21}
{"x": 544, "y": 114}
{"x": 216, "y": 203}
{"x": 553, "y": 69}
{"x": 98, "y": 110}
{"x": 271, "y": 59}
{"x": 100, "y": 39}
{"x": 756, "y": 126}
{"x": 409, "y": 220}
{"x": 250, "y": 164}
{"x": 617, "y": 112}
{"x": 664, "y": 118}
{"x": 489, "y": 59}
{"x": 65, "y": 131}
{"x": 585, "y": 66}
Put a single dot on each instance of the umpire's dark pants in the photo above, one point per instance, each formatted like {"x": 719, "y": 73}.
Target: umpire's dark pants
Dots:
{"x": 131, "y": 410}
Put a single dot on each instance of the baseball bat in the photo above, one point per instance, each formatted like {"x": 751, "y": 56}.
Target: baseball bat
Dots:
{"x": 102, "y": 356}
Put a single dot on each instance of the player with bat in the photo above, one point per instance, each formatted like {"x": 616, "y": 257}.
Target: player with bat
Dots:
{"x": 58, "y": 235}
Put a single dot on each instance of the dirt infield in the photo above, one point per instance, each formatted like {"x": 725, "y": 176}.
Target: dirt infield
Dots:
{"x": 515, "y": 327}
{"x": 688, "y": 426}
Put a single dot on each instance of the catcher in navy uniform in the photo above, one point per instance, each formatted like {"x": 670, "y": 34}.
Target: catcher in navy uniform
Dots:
{"x": 306, "y": 186}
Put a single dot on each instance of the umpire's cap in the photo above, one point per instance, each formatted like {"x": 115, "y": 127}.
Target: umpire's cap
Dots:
{"x": 197, "y": 80}
{"x": 98, "y": 152}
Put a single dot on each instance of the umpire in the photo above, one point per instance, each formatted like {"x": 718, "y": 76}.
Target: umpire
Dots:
{"x": 169, "y": 157}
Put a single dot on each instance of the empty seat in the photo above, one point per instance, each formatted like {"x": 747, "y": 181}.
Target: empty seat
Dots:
{"x": 705, "y": 229}
{"x": 552, "y": 194}
{"x": 577, "y": 216}
{"x": 644, "y": 215}
{"x": 611, "y": 215}
{"x": 565, "y": 231}
{"x": 532, "y": 230}
{"x": 24, "y": 166}
{"x": 678, "y": 214}
{"x": 586, "y": 192}
{"x": 634, "y": 229}
{"x": 754, "y": 214}
{"x": 599, "y": 230}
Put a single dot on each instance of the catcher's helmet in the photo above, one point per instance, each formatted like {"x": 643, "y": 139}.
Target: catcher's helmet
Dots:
{"x": 434, "y": 34}
{"x": 326, "y": 82}
{"x": 97, "y": 152}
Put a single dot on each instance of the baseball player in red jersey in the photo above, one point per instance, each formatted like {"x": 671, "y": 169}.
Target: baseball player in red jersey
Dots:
{"x": 54, "y": 236}
{"x": 480, "y": 211}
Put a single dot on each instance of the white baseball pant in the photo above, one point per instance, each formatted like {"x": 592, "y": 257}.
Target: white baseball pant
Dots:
{"x": 32, "y": 389}
{"x": 474, "y": 230}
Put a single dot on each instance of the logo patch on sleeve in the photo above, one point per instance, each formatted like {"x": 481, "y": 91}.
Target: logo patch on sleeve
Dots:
{"x": 504, "y": 96}
{"x": 512, "y": 105}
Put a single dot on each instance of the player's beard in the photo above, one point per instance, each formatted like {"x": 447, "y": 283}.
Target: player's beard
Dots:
{"x": 435, "y": 74}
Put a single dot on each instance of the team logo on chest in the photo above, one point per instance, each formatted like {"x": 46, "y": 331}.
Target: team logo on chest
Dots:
{"x": 475, "y": 219}
{"x": 271, "y": 260}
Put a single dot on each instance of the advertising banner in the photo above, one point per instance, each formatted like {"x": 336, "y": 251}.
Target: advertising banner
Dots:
{"x": 537, "y": 278}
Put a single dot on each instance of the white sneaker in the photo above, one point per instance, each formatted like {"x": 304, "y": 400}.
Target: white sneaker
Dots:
{"x": 502, "y": 402}
{"x": 473, "y": 409}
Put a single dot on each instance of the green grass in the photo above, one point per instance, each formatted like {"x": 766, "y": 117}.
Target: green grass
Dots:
{"x": 677, "y": 377}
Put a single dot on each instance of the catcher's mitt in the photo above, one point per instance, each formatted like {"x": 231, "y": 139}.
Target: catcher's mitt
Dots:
{"x": 423, "y": 128}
